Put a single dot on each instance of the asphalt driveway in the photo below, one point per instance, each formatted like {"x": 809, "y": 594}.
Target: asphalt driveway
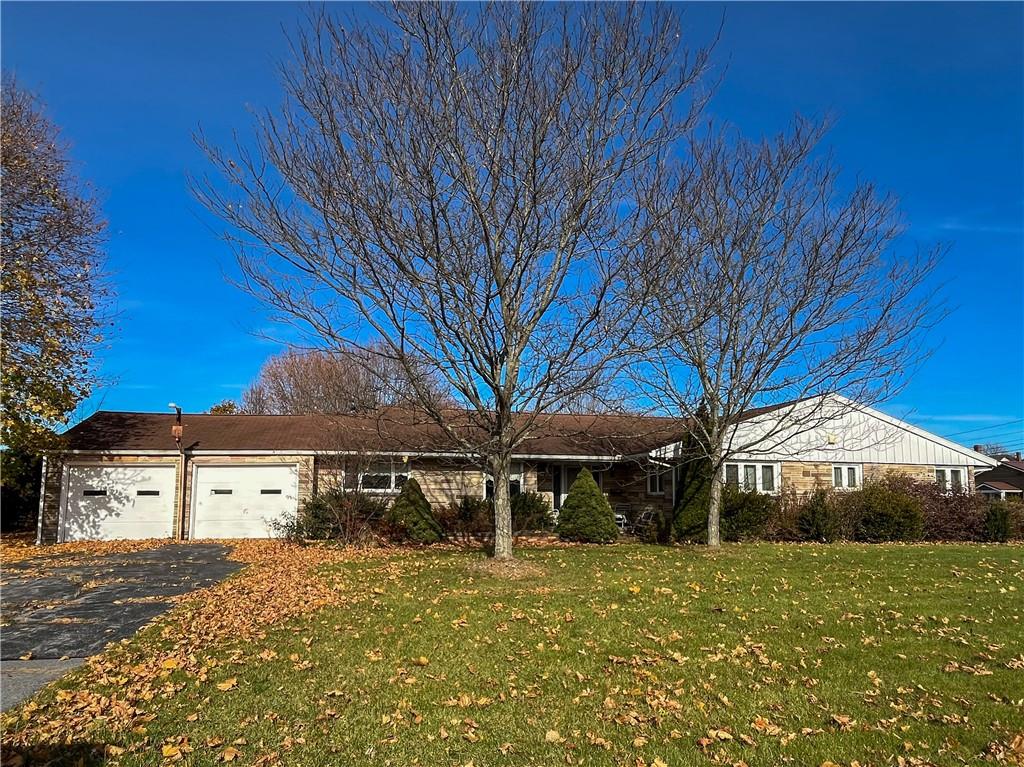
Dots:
{"x": 59, "y": 609}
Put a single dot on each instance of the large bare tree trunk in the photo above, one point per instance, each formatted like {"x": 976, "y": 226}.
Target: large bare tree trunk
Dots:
{"x": 715, "y": 511}
{"x": 500, "y": 469}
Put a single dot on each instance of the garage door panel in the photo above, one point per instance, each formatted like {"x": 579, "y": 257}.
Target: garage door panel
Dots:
{"x": 119, "y": 502}
{"x": 247, "y": 501}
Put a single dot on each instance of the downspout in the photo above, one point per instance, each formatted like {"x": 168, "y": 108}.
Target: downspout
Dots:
{"x": 42, "y": 503}
{"x": 177, "y": 431}
{"x": 182, "y": 464}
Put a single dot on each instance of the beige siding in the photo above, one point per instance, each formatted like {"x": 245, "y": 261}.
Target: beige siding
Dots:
{"x": 444, "y": 483}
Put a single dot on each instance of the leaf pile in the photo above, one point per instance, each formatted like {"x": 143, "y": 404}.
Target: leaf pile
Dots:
{"x": 116, "y": 690}
{"x": 21, "y": 548}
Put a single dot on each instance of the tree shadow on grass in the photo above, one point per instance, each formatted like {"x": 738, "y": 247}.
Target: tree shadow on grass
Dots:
{"x": 77, "y": 754}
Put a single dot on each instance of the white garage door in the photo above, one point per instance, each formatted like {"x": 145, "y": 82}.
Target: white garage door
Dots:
{"x": 125, "y": 501}
{"x": 243, "y": 501}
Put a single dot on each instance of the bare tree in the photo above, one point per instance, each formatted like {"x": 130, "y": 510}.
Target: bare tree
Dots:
{"x": 773, "y": 287}
{"x": 332, "y": 382}
{"x": 55, "y": 294}
{"x": 456, "y": 184}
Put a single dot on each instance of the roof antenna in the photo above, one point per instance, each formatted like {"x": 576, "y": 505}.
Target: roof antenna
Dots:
{"x": 176, "y": 429}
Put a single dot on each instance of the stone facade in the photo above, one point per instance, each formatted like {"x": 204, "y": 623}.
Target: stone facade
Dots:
{"x": 804, "y": 477}
{"x": 625, "y": 485}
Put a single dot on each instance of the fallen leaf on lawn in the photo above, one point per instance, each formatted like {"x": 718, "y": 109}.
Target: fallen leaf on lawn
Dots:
{"x": 552, "y": 736}
{"x": 844, "y": 721}
{"x": 228, "y": 684}
{"x": 229, "y": 754}
{"x": 170, "y": 752}
{"x": 421, "y": 661}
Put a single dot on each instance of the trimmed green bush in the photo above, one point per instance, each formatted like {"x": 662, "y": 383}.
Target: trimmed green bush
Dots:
{"x": 531, "y": 511}
{"x": 411, "y": 517}
{"x": 744, "y": 516}
{"x": 884, "y": 512}
{"x": 586, "y": 515}
{"x": 819, "y": 519}
{"x": 997, "y": 522}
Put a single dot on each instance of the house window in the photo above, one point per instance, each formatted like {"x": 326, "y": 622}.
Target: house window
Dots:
{"x": 750, "y": 477}
{"x": 656, "y": 483}
{"x": 732, "y": 475}
{"x": 376, "y": 477}
{"x": 382, "y": 477}
{"x": 847, "y": 476}
{"x": 949, "y": 478}
{"x": 753, "y": 477}
{"x": 515, "y": 481}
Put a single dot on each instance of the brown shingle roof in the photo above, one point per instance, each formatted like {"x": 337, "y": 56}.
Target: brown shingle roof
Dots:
{"x": 394, "y": 430}
{"x": 997, "y": 485}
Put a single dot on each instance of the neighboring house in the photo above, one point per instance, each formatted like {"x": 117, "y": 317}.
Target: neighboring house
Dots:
{"x": 123, "y": 476}
{"x": 1005, "y": 481}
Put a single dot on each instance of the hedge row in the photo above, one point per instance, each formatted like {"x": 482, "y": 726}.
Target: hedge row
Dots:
{"x": 895, "y": 508}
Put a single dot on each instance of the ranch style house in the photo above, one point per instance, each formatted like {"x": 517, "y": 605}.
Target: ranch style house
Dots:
{"x": 124, "y": 475}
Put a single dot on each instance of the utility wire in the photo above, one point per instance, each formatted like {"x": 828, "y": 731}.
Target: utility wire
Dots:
{"x": 983, "y": 428}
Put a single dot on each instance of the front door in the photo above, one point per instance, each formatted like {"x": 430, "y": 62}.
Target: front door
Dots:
{"x": 557, "y": 485}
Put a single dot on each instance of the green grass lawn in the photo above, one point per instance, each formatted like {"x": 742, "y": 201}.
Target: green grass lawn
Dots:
{"x": 627, "y": 655}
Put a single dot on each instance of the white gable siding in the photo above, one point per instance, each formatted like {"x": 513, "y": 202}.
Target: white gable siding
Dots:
{"x": 848, "y": 433}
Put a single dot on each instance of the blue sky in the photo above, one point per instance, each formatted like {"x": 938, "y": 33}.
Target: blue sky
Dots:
{"x": 929, "y": 101}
